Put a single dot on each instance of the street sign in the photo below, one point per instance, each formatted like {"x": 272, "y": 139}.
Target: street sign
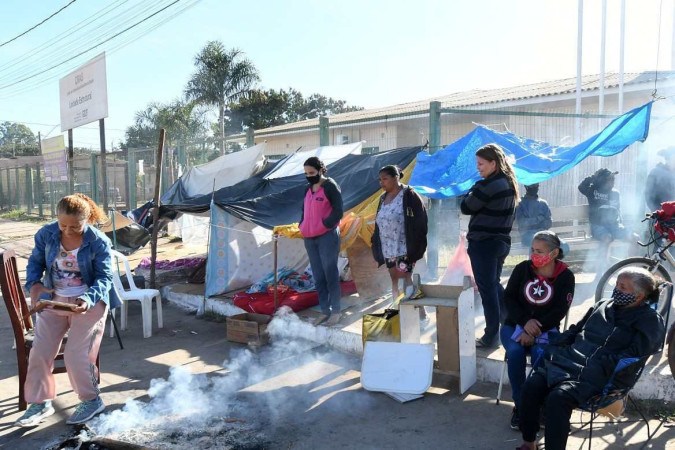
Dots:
{"x": 84, "y": 94}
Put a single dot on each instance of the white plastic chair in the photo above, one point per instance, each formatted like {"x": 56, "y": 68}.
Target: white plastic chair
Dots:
{"x": 145, "y": 296}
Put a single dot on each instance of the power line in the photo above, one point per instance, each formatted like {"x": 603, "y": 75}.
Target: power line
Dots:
{"x": 129, "y": 39}
{"x": 54, "y": 40}
{"x": 90, "y": 48}
{"x": 96, "y": 29}
{"x": 37, "y": 25}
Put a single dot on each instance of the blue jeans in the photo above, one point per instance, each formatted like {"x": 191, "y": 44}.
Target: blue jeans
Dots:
{"x": 487, "y": 259}
{"x": 323, "y": 257}
{"x": 516, "y": 361}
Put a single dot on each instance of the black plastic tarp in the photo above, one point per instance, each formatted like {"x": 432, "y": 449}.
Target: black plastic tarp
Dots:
{"x": 278, "y": 201}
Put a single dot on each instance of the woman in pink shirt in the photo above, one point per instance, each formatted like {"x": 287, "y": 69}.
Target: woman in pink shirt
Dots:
{"x": 319, "y": 225}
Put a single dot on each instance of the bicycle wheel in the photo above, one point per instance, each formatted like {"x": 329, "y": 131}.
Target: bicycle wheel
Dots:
{"x": 607, "y": 282}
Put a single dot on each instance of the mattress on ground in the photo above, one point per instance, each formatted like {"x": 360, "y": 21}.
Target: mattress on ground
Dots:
{"x": 263, "y": 303}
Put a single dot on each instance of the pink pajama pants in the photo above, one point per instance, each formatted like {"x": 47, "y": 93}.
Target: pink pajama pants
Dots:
{"x": 85, "y": 332}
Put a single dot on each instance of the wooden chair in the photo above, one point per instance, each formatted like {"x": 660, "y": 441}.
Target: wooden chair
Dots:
{"x": 22, "y": 323}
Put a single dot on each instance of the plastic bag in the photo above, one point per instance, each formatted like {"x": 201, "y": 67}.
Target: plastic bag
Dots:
{"x": 383, "y": 327}
{"x": 459, "y": 266}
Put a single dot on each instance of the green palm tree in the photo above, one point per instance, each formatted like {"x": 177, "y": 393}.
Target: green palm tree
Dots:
{"x": 222, "y": 76}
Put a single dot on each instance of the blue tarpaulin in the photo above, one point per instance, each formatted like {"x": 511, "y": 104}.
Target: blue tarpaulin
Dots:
{"x": 452, "y": 170}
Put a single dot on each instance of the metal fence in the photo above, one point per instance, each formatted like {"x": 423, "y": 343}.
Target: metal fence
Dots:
{"x": 131, "y": 173}
{"x": 130, "y": 177}
{"x": 438, "y": 124}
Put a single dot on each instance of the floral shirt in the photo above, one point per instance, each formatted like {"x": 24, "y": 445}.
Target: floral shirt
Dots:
{"x": 66, "y": 274}
{"x": 391, "y": 223}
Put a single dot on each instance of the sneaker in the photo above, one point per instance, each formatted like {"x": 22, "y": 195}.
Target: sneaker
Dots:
{"x": 485, "y": 342}
{"x": 515, "y": 420}
{"x": 334, "y": 319}
{"x": 319, "y": 320}
{"x": 85, "y": 411}
{"x": 36, "y": 413}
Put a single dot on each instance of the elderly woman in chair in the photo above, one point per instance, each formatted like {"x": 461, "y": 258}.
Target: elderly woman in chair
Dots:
{"x": 580, "y": 361}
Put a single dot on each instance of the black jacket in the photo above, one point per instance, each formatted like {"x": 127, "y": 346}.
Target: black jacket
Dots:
{"x": 604, "y": 205}
{"x": 584, "y": 357}
{"x": 660, "y": 187}
{"x": 416, "y": 228}
{"x": 527, "y": 296}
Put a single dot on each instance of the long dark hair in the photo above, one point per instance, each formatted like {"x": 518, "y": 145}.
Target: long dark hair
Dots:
{"x": 493, "y": 152}
{"x": 315, "y": 162}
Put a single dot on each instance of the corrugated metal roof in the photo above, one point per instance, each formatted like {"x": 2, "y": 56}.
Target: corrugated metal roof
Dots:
{"x": 477, "y": 97}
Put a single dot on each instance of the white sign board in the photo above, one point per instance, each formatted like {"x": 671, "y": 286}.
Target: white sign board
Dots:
{"x": 84, "y": 94}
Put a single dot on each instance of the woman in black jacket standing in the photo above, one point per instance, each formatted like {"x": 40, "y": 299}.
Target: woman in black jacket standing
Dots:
{"x": 400, "y": 237}
{"x": 491, "y": 203}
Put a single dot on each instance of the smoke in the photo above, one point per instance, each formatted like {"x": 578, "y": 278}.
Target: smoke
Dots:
{"x": 259, "y": 390}
{"x": 287, "y": 327}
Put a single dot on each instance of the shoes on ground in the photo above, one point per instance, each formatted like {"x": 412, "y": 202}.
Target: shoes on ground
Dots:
{"x": 86, "y": 411}
{"x": 515, "y": 419}
{"x": 486, "y": 342}
{"x": 36, "y": 413}
{"x": 319, "y": 320}
{"x": 334, "y": 319}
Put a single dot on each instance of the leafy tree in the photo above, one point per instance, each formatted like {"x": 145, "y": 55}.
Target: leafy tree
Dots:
{"x": 183, "y": 122}
{"x": 267, "y": 108}
{"x": 223, "y": 76}
{"x": 16, "y": 139}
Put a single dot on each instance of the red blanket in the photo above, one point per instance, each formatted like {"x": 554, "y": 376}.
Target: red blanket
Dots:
{"x": 263, "y": 303}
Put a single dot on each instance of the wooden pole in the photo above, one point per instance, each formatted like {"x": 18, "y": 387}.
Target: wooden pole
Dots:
{"x": 71, "y": 164}
{"x": 276, "y": 276}
{"x": 104, "y": 164}
{"x": 155, "y": 210}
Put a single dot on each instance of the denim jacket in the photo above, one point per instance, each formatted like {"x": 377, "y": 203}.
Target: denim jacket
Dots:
{"x": 93, "y": 258}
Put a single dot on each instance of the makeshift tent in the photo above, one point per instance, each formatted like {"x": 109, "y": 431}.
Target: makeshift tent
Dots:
{"x": 452, "y": 170}
{"x": 200, "y": 180}
{"x": 293, "y": 164}
{"x": 243, "y": 215}
{"x": 223, "y": 171}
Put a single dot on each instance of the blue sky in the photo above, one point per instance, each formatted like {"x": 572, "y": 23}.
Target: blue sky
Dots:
{"x": 370, "y": 53}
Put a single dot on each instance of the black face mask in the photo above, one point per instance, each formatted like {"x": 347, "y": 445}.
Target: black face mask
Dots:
{"x": 313, "y": 179}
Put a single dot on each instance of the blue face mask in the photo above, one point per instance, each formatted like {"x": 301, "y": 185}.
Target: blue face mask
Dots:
{"x": 621, "y": 298}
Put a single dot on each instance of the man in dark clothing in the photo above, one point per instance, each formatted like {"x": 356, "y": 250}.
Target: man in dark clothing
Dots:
{"x": 532, "y": 214}
{"x": 660, "y": 186}
{"x": 604, "y": 206}
{"x": 580, "y": 361}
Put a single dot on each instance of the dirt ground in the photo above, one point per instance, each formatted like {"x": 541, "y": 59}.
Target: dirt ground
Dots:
{"x": 211, "y": 393}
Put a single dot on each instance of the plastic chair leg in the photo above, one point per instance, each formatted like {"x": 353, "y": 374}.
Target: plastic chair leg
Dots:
{"x": 124, "y": 314}
{"x": 146, "y": 312}
{"x": 160, "y": 317}
{"x": 501, "y": 381}
{"x": 111, "y": 312}
{"x": 112, "y": 321}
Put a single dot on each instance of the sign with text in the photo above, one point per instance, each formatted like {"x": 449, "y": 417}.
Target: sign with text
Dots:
{"x": 84, "y": 94}
{"x": 55, "y": 160}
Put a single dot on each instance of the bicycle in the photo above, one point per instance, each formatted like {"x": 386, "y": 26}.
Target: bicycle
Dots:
{"x": 657, "y": 254}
